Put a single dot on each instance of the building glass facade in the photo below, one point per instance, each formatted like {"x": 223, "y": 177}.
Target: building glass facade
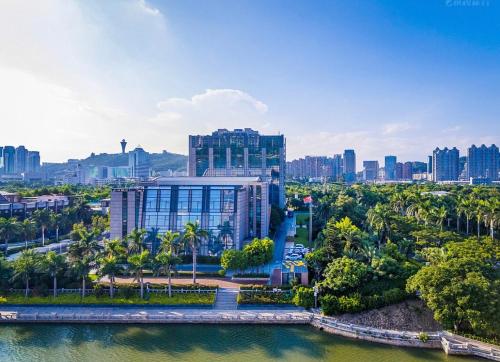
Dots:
{"x": 241, "y": 153}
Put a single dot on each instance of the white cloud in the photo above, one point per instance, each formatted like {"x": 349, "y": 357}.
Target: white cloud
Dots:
{"x": 203, "y": 113}
{"x": 398, "y": 127}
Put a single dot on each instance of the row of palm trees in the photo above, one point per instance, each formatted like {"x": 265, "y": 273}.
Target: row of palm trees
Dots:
{"x": 111, "y": 257}
{"x": 41, "y": 221}
{"x": 430, "y": 210}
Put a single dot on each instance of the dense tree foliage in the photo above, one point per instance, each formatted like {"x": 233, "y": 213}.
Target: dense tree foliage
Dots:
{"x": 372, "y": 244}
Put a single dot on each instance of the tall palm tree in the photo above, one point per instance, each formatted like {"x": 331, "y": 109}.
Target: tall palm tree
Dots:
{"x": 479, "y": 211}
{"x": 25, "y": 267}
{"x": 492, "y": 214}
{"x": 136, "y": 240}
{"x": 440, "y": 215}
{"x": 28, "y": 228}
{"x": 169, "y": 242}
{"x": 379, "y": 218}
{"x": 109, "y": 266}
{"x": 114, "y": 247}
{"x": 82, "y": 266}
{"x": 193, "y": 236}
{"x": 56, "y": 221}
{"x": 53, "y": 264}
{"x": 165, "y": 261}
{"x": 138, "y": 262}
{"x": 467, "y": 205}
{"x": 43, "y": 218}
{"x": 8, "y": 229}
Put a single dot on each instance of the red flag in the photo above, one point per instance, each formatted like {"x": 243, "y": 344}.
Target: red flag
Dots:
{"x": 308, "y": 200}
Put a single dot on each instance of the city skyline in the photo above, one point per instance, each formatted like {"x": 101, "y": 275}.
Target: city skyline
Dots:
{"x": 410, "y": 77}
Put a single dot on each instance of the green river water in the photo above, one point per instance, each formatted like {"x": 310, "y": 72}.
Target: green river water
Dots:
{"x": 123, "y": 343}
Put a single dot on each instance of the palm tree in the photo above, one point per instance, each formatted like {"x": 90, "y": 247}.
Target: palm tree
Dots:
{"x": 53, "y": 264}
{"x": 469, "y": 212}
{"x": 440, "y": 215}
{"x": 479, "y": 216}
{"x": 153, "y": 239}
{"x": 82, "y": 266}
{"x": 85, "y": 245}
{"x": 43, "y": 219}
{"x": 56, "y": 220}
{"x": 24, "y": 268}
{"x": 193, "y": 236}
{"x": 166, "y": 260}
{"x": 379, "y": 218}
{"x": 138, "y": 262}
{"x": 136, "y": 240}
{"x": 492, "y": 214}
{"x": 8, "y": 229}
{"x": 28, "y": 228}
{"x": 169, "y": 242}
{"x": 109, "y": 266}
{"x": 114, "y": 247}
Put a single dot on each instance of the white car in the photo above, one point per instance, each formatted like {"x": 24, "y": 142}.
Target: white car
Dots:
{"x": 293, "y": 257}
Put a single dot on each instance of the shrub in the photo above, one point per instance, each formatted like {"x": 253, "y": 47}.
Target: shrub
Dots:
{"x": 424, "y": 337}
{"x": 98, "y": 290}
{"x": 345, "y": 304}
{"x": 304, "y": 297}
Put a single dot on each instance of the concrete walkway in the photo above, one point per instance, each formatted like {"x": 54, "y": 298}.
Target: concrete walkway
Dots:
{"x": 227, "y": 299}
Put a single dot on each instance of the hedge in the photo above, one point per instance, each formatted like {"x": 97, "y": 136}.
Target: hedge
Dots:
{"x": 354, "y": 303}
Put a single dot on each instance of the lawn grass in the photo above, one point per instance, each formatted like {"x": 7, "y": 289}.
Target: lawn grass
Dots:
{"x": 302, "y": 217}
{"x": 153, "y": 299}
{"x": 302, "y": 237}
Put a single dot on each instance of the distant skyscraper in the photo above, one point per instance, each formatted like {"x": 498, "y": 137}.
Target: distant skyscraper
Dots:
{"x": 242, "y": 152}
{"x": 349, "y": 165}
{"x": 399, "y": 170}
{"x": 483, "y": 162}
{"x": 33, "y": 162}
{"x": 21, "y": 159}
{"x": 445, "y": 164}
{"x": 408, "y": 171}
{"x": 123, "y": 143}
{"x": 390, "y": 167}
{"x": 9, "y": 159}
{"x": 370, "y": 170}
{"x": 138, "y": 162}
{"x": 1, "y": 160}
{"x": 337, "y": 167}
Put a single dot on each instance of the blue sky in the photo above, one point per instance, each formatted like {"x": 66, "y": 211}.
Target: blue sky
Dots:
{"x": 382, "y": 77}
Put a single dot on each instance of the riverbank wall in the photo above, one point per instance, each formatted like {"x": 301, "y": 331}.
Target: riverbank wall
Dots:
{"x": 451, "y": 344}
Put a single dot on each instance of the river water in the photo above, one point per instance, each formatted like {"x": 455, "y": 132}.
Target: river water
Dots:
{"x": 123, "y": 343}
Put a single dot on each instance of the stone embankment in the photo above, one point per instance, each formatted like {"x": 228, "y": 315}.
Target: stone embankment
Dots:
{"x": 450, "y": 343}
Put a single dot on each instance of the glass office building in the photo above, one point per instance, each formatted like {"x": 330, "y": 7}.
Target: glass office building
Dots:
{"x": 242, "y": 152}
{"x": 231, "y": 209}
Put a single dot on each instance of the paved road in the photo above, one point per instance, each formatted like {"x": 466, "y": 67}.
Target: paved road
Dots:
{"x": 57, "y": 247}
{"x": 279, "y": 243}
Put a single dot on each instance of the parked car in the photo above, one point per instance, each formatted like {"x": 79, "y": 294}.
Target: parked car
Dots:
{"x": 293, "y": 257}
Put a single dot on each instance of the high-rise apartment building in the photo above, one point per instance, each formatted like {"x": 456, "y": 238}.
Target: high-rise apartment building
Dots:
{"x": 21, "y": 159}
{"x": 399, "y": 170}
{"x": 138, "y": 162}
{"x": 482, "y": 162}
{"x": 445, "y": 164}
{"x": 242, "y": 152}
{"x": 33, "y": 164}
{"x": 349, "y": 166}
{"x": 9, "y": 159}
{"x": 407, "y": 171}
{"x": 390, "y": 167}
{"x": 337, "y": 167}
{"x": 370, "y": 170}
